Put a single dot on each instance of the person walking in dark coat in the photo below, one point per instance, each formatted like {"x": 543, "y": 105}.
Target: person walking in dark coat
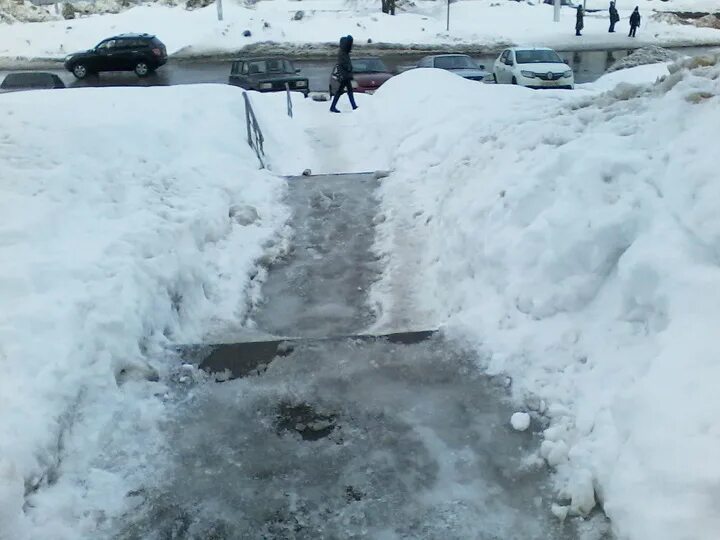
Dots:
{"x": 343, "y": 72}
{"x": 614, "y": 16}
{"x": 634, "y": 21}
{"x": 579, "y": 21}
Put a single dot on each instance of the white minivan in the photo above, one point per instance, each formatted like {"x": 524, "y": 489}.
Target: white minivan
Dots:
{"x": 533, "y": 67}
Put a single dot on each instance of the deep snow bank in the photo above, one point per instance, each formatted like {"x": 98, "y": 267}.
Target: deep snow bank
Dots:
{"x": 574, "y": 238}
{"x": 131, "y": 218}
{"x": 643, "y": 74}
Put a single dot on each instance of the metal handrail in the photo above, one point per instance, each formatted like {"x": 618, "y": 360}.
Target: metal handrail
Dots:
{"x": 254, "y": 134}
{"x": 289, "y": 100}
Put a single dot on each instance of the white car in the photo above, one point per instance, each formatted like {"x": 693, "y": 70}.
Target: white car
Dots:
{"x": 534, "y": 68}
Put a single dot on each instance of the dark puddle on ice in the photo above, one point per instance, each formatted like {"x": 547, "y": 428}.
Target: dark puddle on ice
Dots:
{"x": 350, "y": 439}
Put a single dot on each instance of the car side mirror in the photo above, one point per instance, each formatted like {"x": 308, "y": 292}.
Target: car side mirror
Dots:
{"x": 566, "y": 61}
{"x": 481, "y": 66}
{"x": 509, "y": 62}
{"x": 297, "y": 70}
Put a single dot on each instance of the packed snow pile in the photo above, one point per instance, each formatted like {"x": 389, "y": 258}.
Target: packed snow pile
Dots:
{"x": 639, "y": 75}
{"x": 643, "y": 56}
{"x": 132, "y": 219}
{"x": 574, "y": 238}
{"x": 12, "y": 11}
{"x": 25, "y": 11}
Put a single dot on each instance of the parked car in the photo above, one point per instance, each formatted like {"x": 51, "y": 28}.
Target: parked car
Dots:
{"x": 460, "y": 64}
{"x": 30, "y": 80}
{"x": 141, "y": 53}
{"x": 370, "y": 73}
{"x": 533, "y": 68}
{"x": 267, "y": 75}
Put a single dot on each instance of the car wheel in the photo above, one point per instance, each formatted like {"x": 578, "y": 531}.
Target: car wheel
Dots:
{"x": 142, "y": 69}
{"x": 80, "y": 71}
{"x": 514, "y": 80}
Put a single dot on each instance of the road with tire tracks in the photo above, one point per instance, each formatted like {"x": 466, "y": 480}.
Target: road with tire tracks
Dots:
{"x": 588, "y": 66}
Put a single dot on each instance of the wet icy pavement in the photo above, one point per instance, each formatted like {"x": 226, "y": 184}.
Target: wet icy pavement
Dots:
{"x": 344, "y": 438}
{"x": 319, "y": 289}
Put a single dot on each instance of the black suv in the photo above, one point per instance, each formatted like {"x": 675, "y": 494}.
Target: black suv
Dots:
{"x": 141, "y": 53}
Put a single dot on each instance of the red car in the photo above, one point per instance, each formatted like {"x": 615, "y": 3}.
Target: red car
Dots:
{"x": 369, "y": 74}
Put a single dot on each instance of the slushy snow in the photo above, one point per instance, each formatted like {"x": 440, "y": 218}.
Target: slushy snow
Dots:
{"x": 132, "y": 220}
{"x": 572, "y": 237}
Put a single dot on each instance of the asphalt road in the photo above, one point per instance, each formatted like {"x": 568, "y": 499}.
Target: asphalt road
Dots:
{"x": 588, "y": 66}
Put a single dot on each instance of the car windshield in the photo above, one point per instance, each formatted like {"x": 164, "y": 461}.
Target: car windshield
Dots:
{"x": 271, "y": 66}
{"x": 369, "y": 65}
{"x": 454, "y": 62}
{"x": 537, "y": 57}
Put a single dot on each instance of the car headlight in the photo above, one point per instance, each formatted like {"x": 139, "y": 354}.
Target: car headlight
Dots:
{"x": 301, "y": 84}
{"x": 265, "y": 86}
{"x": 68, "y": 57}
{"x": 568, "y": 73}
{"x": 528, "y": 74}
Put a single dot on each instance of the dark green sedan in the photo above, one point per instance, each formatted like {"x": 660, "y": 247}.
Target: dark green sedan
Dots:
{"x": 267, "y": 75}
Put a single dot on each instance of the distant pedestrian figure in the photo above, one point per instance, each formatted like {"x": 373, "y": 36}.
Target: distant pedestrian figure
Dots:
{"x": 614, "y": 17}
{"x": 579, "y": 21}
{"x": 634, "y": 21}
{"x": 343, "y": 73}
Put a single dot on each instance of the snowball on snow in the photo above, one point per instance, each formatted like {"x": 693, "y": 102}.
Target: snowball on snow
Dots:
{"x": 560, "y": 511}
{"x": 520, "y": 421}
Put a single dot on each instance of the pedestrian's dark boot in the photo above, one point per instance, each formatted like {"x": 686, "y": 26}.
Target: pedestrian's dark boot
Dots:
{"x": 351, "y": 97}
{"x": 333, "y": 105}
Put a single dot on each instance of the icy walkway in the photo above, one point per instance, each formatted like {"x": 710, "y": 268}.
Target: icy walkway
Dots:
{"x": 344, "y": 439}
{"x": 319, "y": 289}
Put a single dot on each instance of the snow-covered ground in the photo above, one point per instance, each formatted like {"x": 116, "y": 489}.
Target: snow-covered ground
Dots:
{"x": 573, "y": 238}
{"x": 488, "y": 24}
{"x": 131, "y": 219}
